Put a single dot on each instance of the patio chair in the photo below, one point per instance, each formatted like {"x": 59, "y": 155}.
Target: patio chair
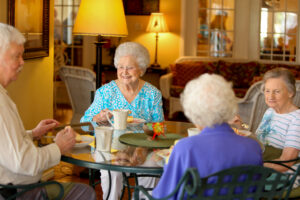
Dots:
{"x": 294, "y": 192}
{"x": 13, "y": 193}
{"x": 244, "y": 182}
{"x": 80, "y": 83}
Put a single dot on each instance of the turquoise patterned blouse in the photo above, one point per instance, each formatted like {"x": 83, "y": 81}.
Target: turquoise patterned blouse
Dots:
{"x": 147, "y": 104}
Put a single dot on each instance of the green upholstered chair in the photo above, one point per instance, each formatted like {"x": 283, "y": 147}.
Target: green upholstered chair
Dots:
{"x": 13, "y": 193}
{"x": 244, "y": 182}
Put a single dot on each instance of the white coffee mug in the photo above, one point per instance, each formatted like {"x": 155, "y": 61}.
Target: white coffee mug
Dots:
{"x": 193, "y": 131}
{"x": 120, "y": 118}
{"x": 103, "y": 136}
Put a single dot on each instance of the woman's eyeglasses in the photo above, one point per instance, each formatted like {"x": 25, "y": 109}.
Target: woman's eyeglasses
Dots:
{"x": 128, "y": 68}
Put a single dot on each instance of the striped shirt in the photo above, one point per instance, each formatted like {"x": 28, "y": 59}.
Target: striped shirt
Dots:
{"x": 280, "y": 130}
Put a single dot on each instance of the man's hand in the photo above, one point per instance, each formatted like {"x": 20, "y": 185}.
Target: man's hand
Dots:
{"x": 43, "y": 127}
{"x": 65, "y": 139}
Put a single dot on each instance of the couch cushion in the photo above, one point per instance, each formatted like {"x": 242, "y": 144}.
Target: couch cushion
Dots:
{"x": 240, "y": 74}
{"x": 184, "y": 72}
{"x": 175, "y": 90}
{"x": 264, "y": 67}
{"x": 295, "y": 69}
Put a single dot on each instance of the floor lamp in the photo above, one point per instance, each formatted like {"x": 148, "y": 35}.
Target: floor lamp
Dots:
{"x": 100, "y": 18}
{"x": 157, "y": 24}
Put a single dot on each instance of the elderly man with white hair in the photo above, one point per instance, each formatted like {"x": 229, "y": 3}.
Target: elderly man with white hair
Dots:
{"x": 209, "y": 102}
{"x": 21, "y": 162}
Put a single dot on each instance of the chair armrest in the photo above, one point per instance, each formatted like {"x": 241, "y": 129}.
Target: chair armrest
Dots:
{"x": 29, "y": 187}
{"x": 189, "y": 183}
{"x": 165, "y": 82}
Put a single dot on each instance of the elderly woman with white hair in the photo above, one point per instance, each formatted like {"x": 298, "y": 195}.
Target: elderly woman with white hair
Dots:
{"x": 279, "y": 129}
{"x": 209, "y": 102}
{"x": 130, "y": 92}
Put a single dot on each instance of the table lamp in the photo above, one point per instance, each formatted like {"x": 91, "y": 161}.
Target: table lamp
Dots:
{"x": 100, "y": 18}
{"x": 157, "y": 24}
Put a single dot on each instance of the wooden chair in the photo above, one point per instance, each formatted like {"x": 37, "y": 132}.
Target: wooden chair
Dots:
{"x": 244, "y": 182}
{"x": 13, "y": 194}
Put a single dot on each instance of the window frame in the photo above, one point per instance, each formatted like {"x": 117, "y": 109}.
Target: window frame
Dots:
{"x": 246, "y": 30}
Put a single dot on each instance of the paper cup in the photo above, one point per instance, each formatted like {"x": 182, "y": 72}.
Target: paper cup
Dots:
{"x": 193, "y": 131}
{"x": 103, "y": 138}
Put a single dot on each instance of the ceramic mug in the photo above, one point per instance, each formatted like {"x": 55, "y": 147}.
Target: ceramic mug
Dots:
{"x": 193, "y": 131}
{"x": 120, "y": 118}
{"x": 103, "y": 135}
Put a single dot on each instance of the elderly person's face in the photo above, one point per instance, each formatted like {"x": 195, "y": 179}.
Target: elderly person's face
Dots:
{"x": 277, "y": 95}
{"x": 11, "y": 63}
{"x": 127, "y": 70}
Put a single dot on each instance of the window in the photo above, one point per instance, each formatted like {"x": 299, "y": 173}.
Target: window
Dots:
{"x": 215, "y": 34}
{"x": 278, "y": 30}
{"x": 67, "y": 48}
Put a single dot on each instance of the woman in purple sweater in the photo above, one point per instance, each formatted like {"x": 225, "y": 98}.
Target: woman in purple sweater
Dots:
{"x": 209, "y": 102}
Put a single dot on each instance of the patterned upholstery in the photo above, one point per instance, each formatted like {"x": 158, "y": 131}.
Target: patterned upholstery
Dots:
{"x": 184, "y": 72}
{"x": 176, "y": 90}
{"x": 241, "y": 73}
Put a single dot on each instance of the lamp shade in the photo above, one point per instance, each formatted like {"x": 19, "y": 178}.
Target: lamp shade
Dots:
{"x": 157, "y": 23}
{"x": 101, "y": 17}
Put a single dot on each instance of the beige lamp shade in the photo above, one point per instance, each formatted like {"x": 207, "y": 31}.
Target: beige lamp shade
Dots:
{"x": 157, "y": 23}
{"x": 101, "y": 17}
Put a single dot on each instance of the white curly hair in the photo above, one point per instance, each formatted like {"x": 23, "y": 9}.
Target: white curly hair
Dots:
{"x": 9, "y": 34}
{"x": 136, "y": 50}
{"x": 209, "y": 100}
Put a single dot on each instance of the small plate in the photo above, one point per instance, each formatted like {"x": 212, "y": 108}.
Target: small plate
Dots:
{"x": 136, "y": 121}
{"x": 164, "y": 153}
{"x": 244, "y": 133}
{"x": 86, "y": 140}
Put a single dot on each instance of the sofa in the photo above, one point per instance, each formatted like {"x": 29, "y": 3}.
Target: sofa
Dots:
{"x": 242, "y": 74}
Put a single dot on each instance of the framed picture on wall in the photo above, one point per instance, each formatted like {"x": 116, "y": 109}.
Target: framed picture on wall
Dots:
{"x": 31, "y": 18}
{"x": 140, "y": 7}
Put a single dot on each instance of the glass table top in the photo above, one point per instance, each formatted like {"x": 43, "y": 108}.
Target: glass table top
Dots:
{"x": 123, "y": 157}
